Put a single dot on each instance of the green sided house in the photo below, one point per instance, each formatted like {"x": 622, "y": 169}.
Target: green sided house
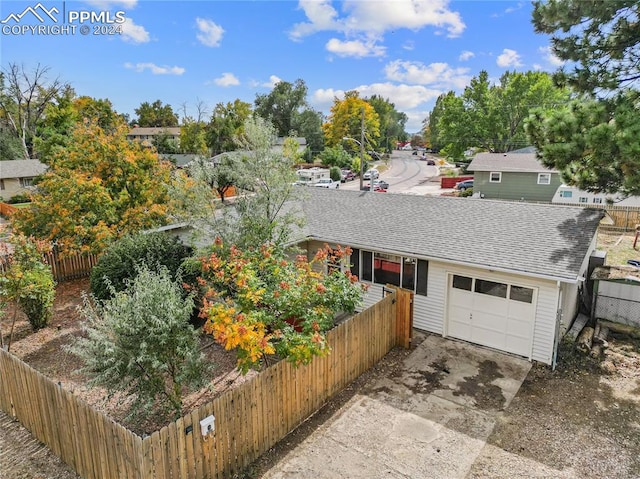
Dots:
{"x": 505, "y": 275}
{"x": 513, "y": 176}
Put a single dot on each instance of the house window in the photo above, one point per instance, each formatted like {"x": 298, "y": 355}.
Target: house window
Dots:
{"x": 597, "y": 200}
{"x": 1, "y": 184}
{"x": 495, "y": 177}
{"x": 566, "y": 194}
{"x": 520, "y": 293}
{"x": 367, "y": 266}
{"x": 355, "y": 262}
{"x": 583, "y": 199}
{"x": 491, "y": 288}
{"x": 409, "y": 273}
{"x": 26, "y": 182}
{"x": 386, "y": 269}
{"x": 423, "y": 274}
{"x": 544, "y": 178}
{"x": 462, "y": 282}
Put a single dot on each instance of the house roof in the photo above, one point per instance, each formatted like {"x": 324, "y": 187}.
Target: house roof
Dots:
{"x": 549, "y": 241}
{"x": 152, "y": 131}
{"x": 21, "y": 168}
{"x": 508, "y": 162}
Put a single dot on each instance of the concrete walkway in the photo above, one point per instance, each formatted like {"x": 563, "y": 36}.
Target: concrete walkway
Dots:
{"x": 430, "y": 420}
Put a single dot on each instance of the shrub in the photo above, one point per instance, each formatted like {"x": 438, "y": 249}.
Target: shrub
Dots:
{"x": 21, "y": 198}
{"x": 335, "y": 173}
{"x": 121, "y": 260}
{"x": 140, "y": 343}
{"x": 467, "y": 192}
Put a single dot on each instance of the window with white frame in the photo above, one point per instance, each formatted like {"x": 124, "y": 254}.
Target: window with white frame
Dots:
{"x": 583, "y": 199}
{"x": 566, "y": 194}
{"x": 597, "y": 201}
{"x": 495, "y": 177}
{"x": 544, "y": 178}
{"x": 26, "y": 182}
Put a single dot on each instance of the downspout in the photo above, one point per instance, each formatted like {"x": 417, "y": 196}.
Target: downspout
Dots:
{"x": 556, "y": 341}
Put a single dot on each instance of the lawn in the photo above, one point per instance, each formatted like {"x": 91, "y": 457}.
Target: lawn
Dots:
{"x": 619, "y": 247}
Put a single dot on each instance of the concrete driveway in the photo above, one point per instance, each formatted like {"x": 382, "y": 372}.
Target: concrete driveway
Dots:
{"x": 430, "y": 419}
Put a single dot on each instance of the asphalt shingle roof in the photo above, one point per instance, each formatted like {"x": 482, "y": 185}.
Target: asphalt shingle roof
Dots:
{"x": 21, "y": 169}
{"x": 508, "y": 162}
{"x": 543, "y": 240}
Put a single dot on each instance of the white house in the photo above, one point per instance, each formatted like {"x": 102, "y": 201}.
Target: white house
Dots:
{"x": 566, "y": 194}
{"x": 500, "y": 274}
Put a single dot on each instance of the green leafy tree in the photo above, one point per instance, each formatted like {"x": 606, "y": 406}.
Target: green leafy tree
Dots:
{"x": 592, "y": 140}
{"x": 24, "y": 97}
{"x": 308, "y": 124}
{"x": 226, "y": 125}
{"x": 120, "y": 262}
{"x": 10, "y": 147}
{"x": 392, "y": 122}
{"x": 28, "y": 282}
{"x": 334, "y": 173}
{"x": 98, "y": 188}
{"x": 193, "y": 138}
{"x": 259, "y": 303}
{"x": 282, "y": 105}
{"x": 140, "y": 343}
{"x": 165, "y": 143}
{"x": 489, "y": 116}
{"x": 155, "y": 115}
{"x": 336, "y": 156}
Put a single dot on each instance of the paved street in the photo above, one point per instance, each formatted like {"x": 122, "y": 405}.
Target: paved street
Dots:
{"x": 406, "y": 174}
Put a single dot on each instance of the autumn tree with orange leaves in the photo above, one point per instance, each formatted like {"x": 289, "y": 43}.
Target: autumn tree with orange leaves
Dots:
{"x": 99, "y": 187}
{"x": 259, "y": 303}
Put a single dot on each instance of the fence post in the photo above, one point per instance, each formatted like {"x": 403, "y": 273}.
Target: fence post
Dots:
{"x": 404, "y": 316}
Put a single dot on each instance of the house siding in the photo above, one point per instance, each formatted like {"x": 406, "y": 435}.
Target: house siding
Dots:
{"x": 516, "y": 186}
{"x": 430, "y": 311}
{"x": 546, "y": 305}
{"x": 11, "y": 188}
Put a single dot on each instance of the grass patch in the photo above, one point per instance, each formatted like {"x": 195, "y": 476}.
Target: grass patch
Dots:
{"x": 22, "y": 205}
{"x": 619, "y": 247}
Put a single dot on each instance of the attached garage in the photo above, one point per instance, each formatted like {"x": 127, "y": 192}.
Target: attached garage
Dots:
{"x": 508, "y": 280}
{"x": 494, "y": 314}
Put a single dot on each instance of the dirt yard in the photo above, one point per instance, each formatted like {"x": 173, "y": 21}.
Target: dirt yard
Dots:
{"x": 45, "y": 352}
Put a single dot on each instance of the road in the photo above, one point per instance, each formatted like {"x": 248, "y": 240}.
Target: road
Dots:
{"x": 406, "y": 174}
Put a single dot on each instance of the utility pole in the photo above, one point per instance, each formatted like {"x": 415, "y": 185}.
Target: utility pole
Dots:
{"x": 362, "y": 150}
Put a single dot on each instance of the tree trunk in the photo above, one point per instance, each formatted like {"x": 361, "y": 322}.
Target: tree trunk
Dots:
{"x": 585, "y": 339}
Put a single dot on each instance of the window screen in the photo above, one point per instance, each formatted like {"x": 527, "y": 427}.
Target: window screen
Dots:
{"x": 367, "y": 266}
{"x": 422, "y": 276}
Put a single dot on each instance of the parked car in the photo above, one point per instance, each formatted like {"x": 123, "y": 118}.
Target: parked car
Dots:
{"x": 464, "y": 185}
{"x": 380, "y": 184}
{"x": 372, "y": 174}
{"x": 327, "y": 183}
{"x": 347, "y": 175}
{"x": 431, "y": 162}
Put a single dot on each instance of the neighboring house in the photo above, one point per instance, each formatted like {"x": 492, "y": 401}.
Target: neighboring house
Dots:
{"x": 279, "y": 144}
{"x": 180, "y": 160}
{"x": 571, "y": 195}
{"x": 501, "y": 274}
{"x": 513, "y": 176}
{"x": 146, "y": 135}
{"x": 16, "y": 176}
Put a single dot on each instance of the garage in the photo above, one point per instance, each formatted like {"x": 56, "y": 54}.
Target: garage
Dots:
{"x": 499, "y": 315}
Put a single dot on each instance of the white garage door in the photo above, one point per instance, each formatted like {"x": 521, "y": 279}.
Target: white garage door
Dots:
{"x": 490, "y": 313}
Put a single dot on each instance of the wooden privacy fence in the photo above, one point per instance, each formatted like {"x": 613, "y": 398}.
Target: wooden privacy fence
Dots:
{"x": 6, "y": 209}
{"x": 71, "y": 267}
{"x": 249, "y": 420}
{"x": 624, "y": 218}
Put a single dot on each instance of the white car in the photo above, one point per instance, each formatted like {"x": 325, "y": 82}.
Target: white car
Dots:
{"x": 371, "y": 175}
{"x": 327, "y": 183}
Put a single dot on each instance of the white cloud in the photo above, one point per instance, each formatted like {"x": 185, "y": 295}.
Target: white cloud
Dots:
{"x": 354, "y": 48}
{"x": 435, "y": 74}
{"x": 537, "y": 67}
{"x": 134, "y": 33}
{"x": 404, "y": 97}
{"x": 273, "y": 80}
{"x": 509, "y": 58}
{"x": 210, "y": 33}
{"x": 549, "y": 57}
{"x": 409, "y": 45}
{"x": 375, "y": 18}
{"x": 466, "y": 55}
{"x": 227, "y": 79}
{"x": 155, "y": 69}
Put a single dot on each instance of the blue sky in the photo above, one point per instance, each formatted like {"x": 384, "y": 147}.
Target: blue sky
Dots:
{"x": 190, "y": 52}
